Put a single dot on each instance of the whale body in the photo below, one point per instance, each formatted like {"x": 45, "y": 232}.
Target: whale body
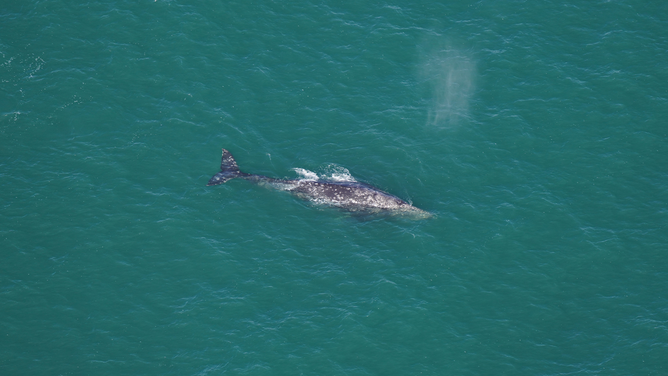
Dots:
{"x": 348, "y": 195}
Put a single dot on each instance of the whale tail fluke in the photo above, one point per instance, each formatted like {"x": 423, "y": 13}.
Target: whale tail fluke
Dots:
{"x": 228, "y": 170}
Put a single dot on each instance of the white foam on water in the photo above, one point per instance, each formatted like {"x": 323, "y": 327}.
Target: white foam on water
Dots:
{"x": 331, "y": 172}
{"x": 335, "y": 172}
{"x": 306, "y": 174}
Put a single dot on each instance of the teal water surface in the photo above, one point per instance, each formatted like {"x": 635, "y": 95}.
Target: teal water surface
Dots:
{"x": 535, "y": 132}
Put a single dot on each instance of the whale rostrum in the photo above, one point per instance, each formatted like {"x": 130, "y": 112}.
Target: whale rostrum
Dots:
{"x": 349, "y": 195}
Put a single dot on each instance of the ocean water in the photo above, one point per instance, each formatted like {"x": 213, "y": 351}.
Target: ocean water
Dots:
{"x": 535, "y": 132}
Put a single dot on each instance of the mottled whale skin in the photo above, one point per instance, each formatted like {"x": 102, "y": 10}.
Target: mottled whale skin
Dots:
{"x": 352, "y": 196}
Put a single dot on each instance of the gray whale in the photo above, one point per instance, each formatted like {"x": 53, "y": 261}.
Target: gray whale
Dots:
{"x": 352, "y": 196}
